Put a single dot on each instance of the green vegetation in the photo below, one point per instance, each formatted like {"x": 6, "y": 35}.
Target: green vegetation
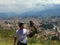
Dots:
{"x": 6, "y": 38}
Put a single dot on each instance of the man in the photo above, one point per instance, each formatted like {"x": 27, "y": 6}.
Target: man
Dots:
{"x": 33, "y": 29}
{"x": 21, "y": 35}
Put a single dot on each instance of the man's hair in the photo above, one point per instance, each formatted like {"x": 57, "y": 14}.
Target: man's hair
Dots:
{"x": 20, "y": 24}
{"x": 31, "y": 23}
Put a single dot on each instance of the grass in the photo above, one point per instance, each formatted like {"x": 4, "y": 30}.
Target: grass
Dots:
{"x": 6, "y": 38}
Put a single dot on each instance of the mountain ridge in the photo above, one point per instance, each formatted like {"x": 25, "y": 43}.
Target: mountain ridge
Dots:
{"x": 34, "y": 13}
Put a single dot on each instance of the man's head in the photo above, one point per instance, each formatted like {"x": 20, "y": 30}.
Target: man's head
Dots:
{"x": 31, "y": 23}
{"x": 21, "y": 25}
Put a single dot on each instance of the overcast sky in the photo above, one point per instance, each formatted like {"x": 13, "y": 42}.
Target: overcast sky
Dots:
{"x": 18, "y": 6}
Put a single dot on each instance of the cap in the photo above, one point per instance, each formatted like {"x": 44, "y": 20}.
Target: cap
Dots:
{"x": 20, "y": 24}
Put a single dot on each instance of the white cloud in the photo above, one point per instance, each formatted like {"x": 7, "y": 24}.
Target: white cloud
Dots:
{"x": 25, "y": 5}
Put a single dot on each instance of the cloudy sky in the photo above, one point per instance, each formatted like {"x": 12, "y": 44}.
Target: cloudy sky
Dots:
{"x": 19, "y": 6}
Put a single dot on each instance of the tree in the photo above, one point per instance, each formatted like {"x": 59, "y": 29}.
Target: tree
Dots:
{"x": 47, "y": 26}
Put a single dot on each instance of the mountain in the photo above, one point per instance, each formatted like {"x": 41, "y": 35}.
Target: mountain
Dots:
{"x": 55, "y": 11}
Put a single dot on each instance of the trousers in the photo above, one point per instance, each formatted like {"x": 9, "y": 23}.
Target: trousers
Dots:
{"x": 19, "y": 43}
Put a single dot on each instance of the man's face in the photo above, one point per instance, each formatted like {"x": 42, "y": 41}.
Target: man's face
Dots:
{"x": 22, "y": 27}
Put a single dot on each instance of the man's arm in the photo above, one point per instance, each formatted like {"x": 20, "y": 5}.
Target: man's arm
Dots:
{"x": 15, "y": 39}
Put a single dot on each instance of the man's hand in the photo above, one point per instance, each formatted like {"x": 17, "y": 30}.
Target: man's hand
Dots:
{"x": 14, "y": 43}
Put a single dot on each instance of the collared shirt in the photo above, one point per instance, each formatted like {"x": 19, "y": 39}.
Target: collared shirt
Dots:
{"x": 22, "y": 35}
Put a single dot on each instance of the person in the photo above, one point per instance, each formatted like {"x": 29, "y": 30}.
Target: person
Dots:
{"x": 32, "y": 29}
{"x": 21, "y": 35}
